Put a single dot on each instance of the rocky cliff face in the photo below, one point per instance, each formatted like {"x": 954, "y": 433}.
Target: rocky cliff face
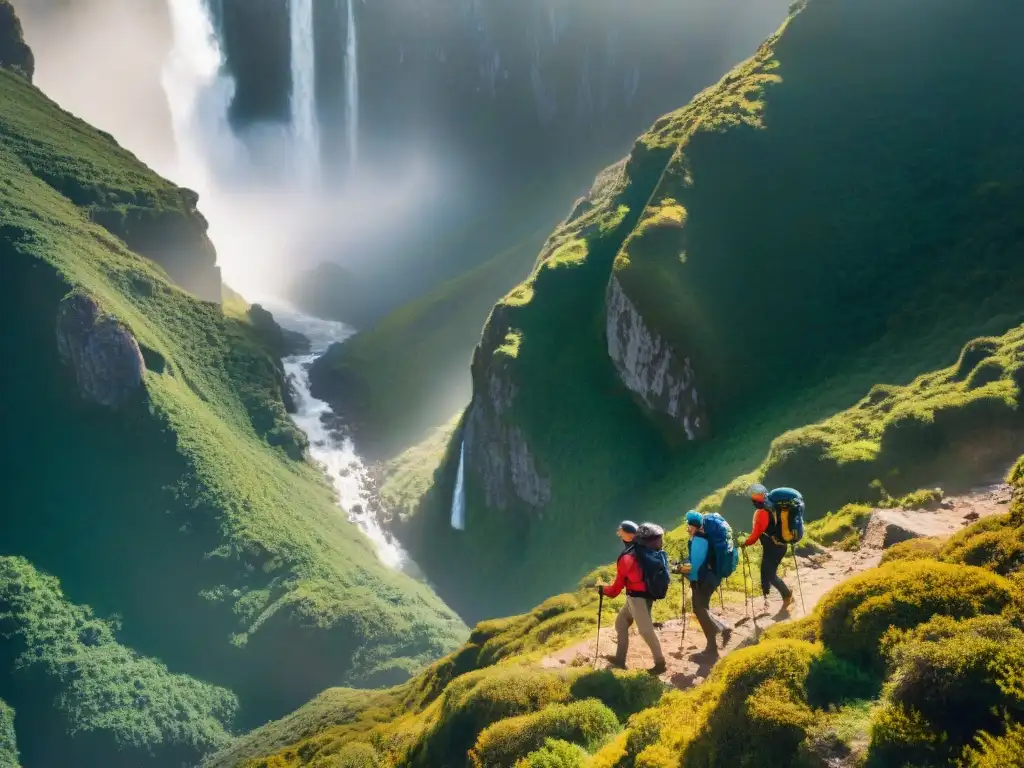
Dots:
{"x": 663, "y": 379}
{"x": 498, "y": 455}
{"x": 14, "y": 52}
{"x": 103, "y": 354}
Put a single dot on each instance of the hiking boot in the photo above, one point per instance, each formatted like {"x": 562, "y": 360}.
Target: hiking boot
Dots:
{"x": 615, "y": 661}
{"x": 787, "y": 602}
{"x": 659, "y": 668}
{"x": 726, "y": 637}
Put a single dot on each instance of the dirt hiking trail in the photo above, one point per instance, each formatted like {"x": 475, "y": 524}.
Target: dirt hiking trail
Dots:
{"x": 819, "y": 572}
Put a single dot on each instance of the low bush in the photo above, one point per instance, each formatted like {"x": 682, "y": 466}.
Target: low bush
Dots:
{"x": 926, "y": 548}
{"x": 623, "y": 693}
{"x": 474, "y": 701}
{"x": 955, "y": 678}
{"x": 555, "y": 754}
{"x": 841, "y": 529}
{"x": 994, "y": 543}
{"x": 357, "y": 755}
{"x": 856, "y": 614}
{"x": 997, "y": 752}
{"x": 504, "y": 743}
{"x": 8, "y": 747}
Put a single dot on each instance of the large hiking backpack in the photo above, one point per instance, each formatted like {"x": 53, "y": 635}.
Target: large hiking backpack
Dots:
{"x": 786, "y": 512}
{"x": 647, "y": 548}
{"x": 720, "y": 541}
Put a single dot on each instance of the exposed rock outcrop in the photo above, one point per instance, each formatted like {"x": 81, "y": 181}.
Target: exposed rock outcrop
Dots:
{"x": 174, "y": 237}
{"x": 498, "y": 455}
{"x": 14, "y": 51}
{"x": 650, "y": 367}
{"x": 102, "y": 352}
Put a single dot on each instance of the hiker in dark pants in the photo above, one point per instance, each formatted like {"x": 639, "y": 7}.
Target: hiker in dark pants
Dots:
{"x": 703, "y": 583}
{"x": 772, "y": 550}
{"x": 637, "y": 610}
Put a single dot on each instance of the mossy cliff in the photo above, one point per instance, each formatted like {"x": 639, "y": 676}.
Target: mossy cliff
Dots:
{"x": 840, "y": 210}
{"x": 151, "y": 467}
{"x": 15, "y": 54}
{"x": 914, "y": 662}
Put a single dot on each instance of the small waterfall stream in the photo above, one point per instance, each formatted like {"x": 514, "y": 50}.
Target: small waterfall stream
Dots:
{"x": 335, "y": 451}
{"x": 305, "y": 127}
{"x": 352, "y": 86}
{"x": 459, "y": 495}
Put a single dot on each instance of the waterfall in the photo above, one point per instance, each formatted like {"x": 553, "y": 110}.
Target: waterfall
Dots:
{"x": 352, "y": 87}
{"x": 305, "y": 129}
{"x": 199, "y": 93}
{"x": 459, "y": 496}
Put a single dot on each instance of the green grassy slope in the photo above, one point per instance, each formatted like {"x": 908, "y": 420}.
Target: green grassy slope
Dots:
{"x": 191, "y": 511}
{"x": 79, "y": 693}
{"x": 8, "y": 743}
{"x": 802, "y": 230}
{"x": 400, "y": 379}
{"x": 910, "y": 663}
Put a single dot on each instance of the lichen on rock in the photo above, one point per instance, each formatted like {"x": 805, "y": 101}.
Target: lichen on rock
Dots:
{"x": 650, "y": 368}
{"x": 102, "y": 352}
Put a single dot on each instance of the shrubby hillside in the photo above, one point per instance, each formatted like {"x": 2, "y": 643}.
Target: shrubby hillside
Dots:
{"x": 841, "y": 210}
{"x": 914, "y": 662}
{"x": 150, "y": 466}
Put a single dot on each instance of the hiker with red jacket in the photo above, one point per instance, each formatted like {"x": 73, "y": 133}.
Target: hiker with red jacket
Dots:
{"x": 629, "y": 575}
{"x": 767, "y": 529}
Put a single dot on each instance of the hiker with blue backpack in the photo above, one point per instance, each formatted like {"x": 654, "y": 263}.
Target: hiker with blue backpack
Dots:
{"x": 713, "y": 557}
{"x": 778, "y": 524}
{"x": 642, "y": 570}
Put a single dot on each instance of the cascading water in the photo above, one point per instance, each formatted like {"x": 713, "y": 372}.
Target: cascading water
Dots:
{"x": 352, "y": 86}
{"x": 459, "y": 496}
{"x": 334, "y": 451}
{"x": 199, "y": 94}
{"x": 305, "y": 126}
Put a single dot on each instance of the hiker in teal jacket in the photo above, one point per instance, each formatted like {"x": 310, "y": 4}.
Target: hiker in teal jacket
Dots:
{"x": 703, "y": 583}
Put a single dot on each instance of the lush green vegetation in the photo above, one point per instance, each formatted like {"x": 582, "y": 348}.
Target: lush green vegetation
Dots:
{"x": 8, "y": 744}
{"x": 191, "y": 512}
{"x": 790, "y": 302}
{"x": 95, "y": 699}
{"x": 402, "y": 377}
{"x": 14, "y": 53}
{"x": 910, "y": 663}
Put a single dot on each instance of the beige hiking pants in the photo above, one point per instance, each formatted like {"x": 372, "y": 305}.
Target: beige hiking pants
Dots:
{"x": 637, "y": 609}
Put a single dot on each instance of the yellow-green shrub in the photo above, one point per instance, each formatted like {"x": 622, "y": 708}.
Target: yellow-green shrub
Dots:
{"x": 555, "y": 754}
{"x": 903, "y": 737}
{"x": 993, "y": 752}
{"x": 478, "y": 699}
{"x": 356, "y": 755}
{"x": 857, "y": 613}
{"x": 625, "y": 693}
{"x": 913, "y": 549}
{"x": 504, "y": 743}
{"x": 955, "y": 678}
{"x": 805, "y": 628}
{"x": 761, "y": 711}
{"x": 995, "y": 543}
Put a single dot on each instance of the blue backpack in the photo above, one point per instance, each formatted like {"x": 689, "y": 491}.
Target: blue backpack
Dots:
{"x": 720, "y": 541}
{"x": 647, "y": 548}
{"x": 786, "y": 515}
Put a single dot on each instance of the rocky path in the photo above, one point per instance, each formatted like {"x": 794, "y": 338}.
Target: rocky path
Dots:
{"x": 818, "y": 574}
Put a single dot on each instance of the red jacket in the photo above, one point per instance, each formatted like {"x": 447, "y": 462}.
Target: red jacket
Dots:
{"x": 760, "y": 526}
{"x": 628, "y": 575}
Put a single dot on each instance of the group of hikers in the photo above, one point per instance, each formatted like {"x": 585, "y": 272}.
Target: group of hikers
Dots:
{"x": 644, "y": 572}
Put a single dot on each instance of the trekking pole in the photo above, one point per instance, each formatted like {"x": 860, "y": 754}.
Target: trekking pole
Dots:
{"x": 597, "y": 647}
{"x": 799, "y": 586}
{"x": 682, "y": 637}
{"x": 753, "y": 610}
